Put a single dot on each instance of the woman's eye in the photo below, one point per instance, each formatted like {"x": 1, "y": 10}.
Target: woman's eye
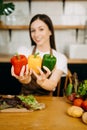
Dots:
{"x": 32, "y": 30}
{"x": 41, "y": 29}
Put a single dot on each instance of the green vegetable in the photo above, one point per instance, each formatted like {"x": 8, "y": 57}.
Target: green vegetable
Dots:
{"x": 49, "y": 61}
{"x": 69, "y": 89}
{"x": 31, "y": 101}
{"x": 85, "y": 81}
{"x": 6, "y": 8}
{"x": 82, "y": 89}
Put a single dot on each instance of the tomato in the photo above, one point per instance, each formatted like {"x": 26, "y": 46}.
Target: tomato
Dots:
{"x": 84, "y": 105}
{"x": 78, "y": 102}
{"x": 71, "y": 97}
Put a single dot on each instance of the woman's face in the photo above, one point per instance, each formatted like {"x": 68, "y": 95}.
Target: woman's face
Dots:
{"x": 40, "y": 32}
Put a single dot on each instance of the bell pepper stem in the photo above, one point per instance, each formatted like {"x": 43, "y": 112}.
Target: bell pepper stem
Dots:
{"x": 18, "y": 56}
{"x": 35, "y": 55}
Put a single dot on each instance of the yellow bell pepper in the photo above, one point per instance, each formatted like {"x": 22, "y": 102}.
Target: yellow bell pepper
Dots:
{"x": 34, "y": 61}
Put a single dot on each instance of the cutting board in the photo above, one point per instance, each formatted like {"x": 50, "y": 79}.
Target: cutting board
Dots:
{"x": 38, "y": 106}
{"x": 16, "y": 110}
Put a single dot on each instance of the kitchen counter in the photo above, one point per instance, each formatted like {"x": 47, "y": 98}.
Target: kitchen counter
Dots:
{"x": 53, "y": 117}
{"x": 6, "y": 58}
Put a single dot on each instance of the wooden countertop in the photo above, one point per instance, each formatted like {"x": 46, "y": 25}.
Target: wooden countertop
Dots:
{"x": 6, "y": 58}
{"x": 53, "y": 117}
{"x": 77, "y": 61}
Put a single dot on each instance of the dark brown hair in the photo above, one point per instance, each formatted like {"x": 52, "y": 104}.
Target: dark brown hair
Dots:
{"x": 48, "y": 22}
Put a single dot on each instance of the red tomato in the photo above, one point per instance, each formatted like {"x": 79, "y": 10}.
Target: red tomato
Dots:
{"x": 84, "y": 105}
{"x": 78, "y": 102}
{"x": 71, "y": 97}
{"x": 18, "y": 61}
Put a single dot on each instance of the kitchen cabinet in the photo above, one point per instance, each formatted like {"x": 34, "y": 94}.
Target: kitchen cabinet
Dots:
{"x": 8, "y": 84}
{"x": 80, "y": 69}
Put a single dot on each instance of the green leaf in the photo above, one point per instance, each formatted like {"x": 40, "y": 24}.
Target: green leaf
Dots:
{"x": 6, "y": 8}
{"x": 1, "y": 1}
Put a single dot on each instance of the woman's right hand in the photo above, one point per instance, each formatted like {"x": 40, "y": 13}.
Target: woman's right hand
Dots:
{"x": 25, "y": 76}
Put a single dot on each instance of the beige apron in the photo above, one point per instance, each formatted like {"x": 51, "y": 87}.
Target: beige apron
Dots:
{"x": 33, "y": 87}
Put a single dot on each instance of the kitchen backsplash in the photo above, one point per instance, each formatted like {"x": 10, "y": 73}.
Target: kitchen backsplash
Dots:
{"x": 73, "y": 13}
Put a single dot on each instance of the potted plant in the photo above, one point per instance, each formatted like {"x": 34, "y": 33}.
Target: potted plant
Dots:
{"x": 6, "y": 8}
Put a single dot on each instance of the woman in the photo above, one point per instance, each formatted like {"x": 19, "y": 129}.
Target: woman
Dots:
{"x": 42, "y": 39}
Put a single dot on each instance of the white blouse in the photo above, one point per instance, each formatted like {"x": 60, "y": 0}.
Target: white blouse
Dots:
{"x": 61, "y": 63}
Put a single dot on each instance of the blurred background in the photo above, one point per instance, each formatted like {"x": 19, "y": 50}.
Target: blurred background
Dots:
{"x": 69, "y": 18}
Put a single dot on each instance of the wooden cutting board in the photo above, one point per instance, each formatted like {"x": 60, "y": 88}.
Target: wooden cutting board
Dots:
{"x": 39, "y": 107}
{"x": 16, "y": 110}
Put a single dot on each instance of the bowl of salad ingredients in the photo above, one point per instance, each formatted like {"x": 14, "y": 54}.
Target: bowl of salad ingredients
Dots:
{"x": 76, "y": 89}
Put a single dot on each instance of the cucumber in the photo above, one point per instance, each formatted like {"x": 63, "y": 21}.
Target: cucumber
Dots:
{"x": 69, "y": 89}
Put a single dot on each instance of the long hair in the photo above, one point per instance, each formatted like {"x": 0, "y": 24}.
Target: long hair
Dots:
{"x": 48, "y": 22}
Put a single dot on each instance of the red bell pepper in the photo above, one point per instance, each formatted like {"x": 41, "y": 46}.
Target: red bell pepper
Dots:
{"x": 18, "y": 61}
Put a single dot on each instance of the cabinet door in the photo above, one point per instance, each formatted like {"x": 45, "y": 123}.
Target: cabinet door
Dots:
{"x": 8, "y": 84}
{"x": 80, "y": 69}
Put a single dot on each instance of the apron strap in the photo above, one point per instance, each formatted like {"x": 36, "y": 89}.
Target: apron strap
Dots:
{"x": 34, "y": 50}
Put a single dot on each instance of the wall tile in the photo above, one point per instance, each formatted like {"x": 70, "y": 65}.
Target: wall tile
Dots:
{"x": 20, "y": 15}
{"x": 49, "y": 7}
{"x": 4, "y": 41}
{"x": 64, "y": 39}
{"x": 52, "y": 9}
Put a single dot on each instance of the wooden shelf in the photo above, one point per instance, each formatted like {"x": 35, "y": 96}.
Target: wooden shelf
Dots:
{"x": 14, "y": 27}
{"x": 61, "y": 27}
{"x": 6, "y": 58}
{"x": 32, "y": 0}
{"x": 26, "y": 27}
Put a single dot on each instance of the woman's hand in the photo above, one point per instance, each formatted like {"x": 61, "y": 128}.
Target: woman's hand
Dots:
{"x": 25, "y": 76}
{"x": 42, "y": 76}
{"x": 51, "y": 82}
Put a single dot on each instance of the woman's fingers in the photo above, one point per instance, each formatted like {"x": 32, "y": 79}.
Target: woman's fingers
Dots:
{"x": 22, "y": 71}
{"x": 27, "y": 70}
{"x": 48, "y": 72}
{"x": 41, "y": 72}
{"x": 12, "y": 72}
{"x": 25, "y": 74}
{"x": 42, "y": 75}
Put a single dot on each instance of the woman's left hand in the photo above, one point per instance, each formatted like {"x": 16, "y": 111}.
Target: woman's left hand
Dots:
{"x": 42, "y": 76}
